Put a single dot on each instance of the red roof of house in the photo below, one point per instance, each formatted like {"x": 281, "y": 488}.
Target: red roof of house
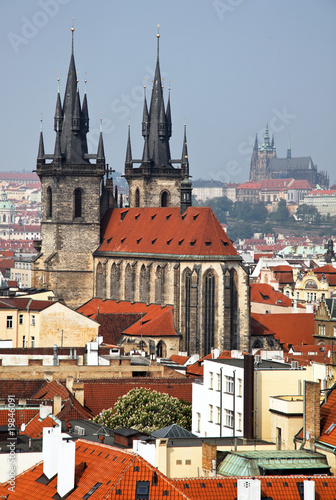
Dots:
{"x": 283, "y": 274}
{"x": 180, "y": 360}
{"x": 22, "y": 415}
{"x": 289, "y": 328}
{"x": 22, "y": 303}
{"x": 272, "y": 487}
{"x": 322, "y": 192}
{"x": 116, "y": 470}
{"x": 34, "y": 428}
{"x": 103, "y": 394}
{"x": 300, "y": 184}
{"x": 164, "y": 231}
{"x": 148, "y": 320}
{"x": 264, "y": 293}
{"x": 273, "y": 184}
{"x": 328, "y": 417}
{"x": 249, "y": 185}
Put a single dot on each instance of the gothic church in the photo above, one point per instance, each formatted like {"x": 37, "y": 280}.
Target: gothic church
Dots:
{"x": 159, "y": 249}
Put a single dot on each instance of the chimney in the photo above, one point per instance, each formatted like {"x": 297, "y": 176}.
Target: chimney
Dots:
{"x": 248, "y": 489}
{"x": 49, "y": 450}
{"x": 69, "y": 383}
{"x": 209, "y": 455}
{"x": 66, "y": 467}
{"x": 57, "y": 404}
{"x": 308, "y": 490}
{"x": 311, "y": 412}
{"x": 45, "y": 411}
{"x": 78, "y": 392}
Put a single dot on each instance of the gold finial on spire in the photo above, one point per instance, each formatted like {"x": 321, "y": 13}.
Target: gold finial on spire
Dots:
{"x": 101, "y": 122}
{"x": 41, "y": 120}
{"x": 72, "y": 35}
{"x": 85, "y": 82}
{"x": 73, "y": 22}
{"x": 144, "y": 83}
{"x": 158, "y": 33}
{"x": 58, "y": 81}
{"x": 162, "y": 83}
{"x": 169, "y": 88}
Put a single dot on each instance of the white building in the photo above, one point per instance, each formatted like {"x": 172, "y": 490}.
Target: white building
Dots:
{"x": 218, "y": 402}
{"x": 323, "y": 199}
{"x": 205, "y": 190}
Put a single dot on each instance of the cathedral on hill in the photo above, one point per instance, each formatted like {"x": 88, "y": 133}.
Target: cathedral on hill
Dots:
{"x": 157, "y": 250}
{"x": 266, "y": 165}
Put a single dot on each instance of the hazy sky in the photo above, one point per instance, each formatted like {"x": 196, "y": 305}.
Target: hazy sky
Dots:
{"x": 234, "y": 65}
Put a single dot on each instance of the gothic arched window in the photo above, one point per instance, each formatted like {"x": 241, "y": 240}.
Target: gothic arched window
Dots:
{"x": 4, "y": 218}
{"x": 187, "y": 285}
{"x": 137, "y": 197}
{"x": 129, "y": 283}
{"x": 209, "y": 312}
{"x": 99, "y": 281}
{"x": 49, "y": 203}
{"x": 115, "y": 282}
{"x": 164, "y": 199}
{"x": 160, "y": 285}
{"x": 143, "y": 285}
{"x": 78, "y": 202}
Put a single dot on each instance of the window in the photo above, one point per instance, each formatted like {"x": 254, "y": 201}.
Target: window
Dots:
{"x": 210, "y": 380}
{"x": 198, "y": 416}
{"x": 210, "y": 413}
{"x": 240, "y": 387}
{"x": 164, "y": 199}
{"x": 229, "y": 384}
{"x": 78, "y": 202}
{"x": 178, "y": 462}
{"x": 21, "y": 319}
{"x": 334, "y": 331}
{"x": 49, "y": 203}
{"x": 218, "y": 382}
{"x": 322, "y": 330}
{"x": 24, "y": 341}
{"x": 218, "y": 421}
{"x": 137, "y": 197}
{"x": 229, "y": 418}
{"x": 9, "y": 321}
{"x": 188, "y": 462}
{"x": 239, "y": 423}
{"x": 33, "y": 320}
{"x": 209, "y": 312}
{"x": 187, "y": 284}
{"x": 33, "y": 342}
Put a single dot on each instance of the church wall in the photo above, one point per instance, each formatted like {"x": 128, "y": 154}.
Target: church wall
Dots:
{"x": 237, "y": 327}
{"x": 151, "y": 189}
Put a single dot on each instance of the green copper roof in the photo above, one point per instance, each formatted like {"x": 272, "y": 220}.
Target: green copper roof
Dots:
{"x": 255, "y": 463}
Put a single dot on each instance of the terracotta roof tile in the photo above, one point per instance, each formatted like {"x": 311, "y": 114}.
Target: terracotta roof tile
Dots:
{"x": 34, "y": 428}
{"x": 103, "y": 394}
{"x": 164, "y": 231}
{"x": 289, "y": 328}
{"x": 264, "y": 293}
{"x": 180, "y": 360}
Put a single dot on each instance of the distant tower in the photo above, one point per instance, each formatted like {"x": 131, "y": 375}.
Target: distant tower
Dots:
{"x": 156, "y": 183}
{"x": 73, "y": 189}
{"x": 261, "y": 157}
{"x": 289, "y": 150}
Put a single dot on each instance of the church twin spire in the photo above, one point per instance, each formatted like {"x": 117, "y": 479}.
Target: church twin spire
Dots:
{"x": 71, "y": 122}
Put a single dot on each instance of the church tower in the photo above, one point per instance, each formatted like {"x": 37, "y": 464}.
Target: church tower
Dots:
{"x": 261, "y": 157}
{"x": 74, "y": 190}
{"x": 156, "y": 183}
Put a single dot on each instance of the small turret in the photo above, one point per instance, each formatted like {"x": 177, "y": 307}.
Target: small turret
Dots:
{"x": 76, "y": 117}
{"x": 128, "y": 161}
{"x": 145, "y": 116}
{"x": 186, "y": 188}
{"x": 100, "y": 151}
{"x": 40, "y": 154}
{"x": 168, "y": 117}
{"x": 58, "y": 118}
{"x": 85, "y": 113}
{"x": 289, "y": 149}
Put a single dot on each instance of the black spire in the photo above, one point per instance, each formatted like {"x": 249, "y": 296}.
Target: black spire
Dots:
{"x": 168, "y": 117}
{"x": 73, "y": 133}
{"x": 100, "y": 151}
{"x": 186, "y": 189}
{"x": 85, "y": 113}
{"x": 57, "y": 151}
{"x": 40, "y": 154}
{"x": 145, "y": 116}
{"x": 185, "y": 160}
{"x": 128, "y": 161}
{"x": 158, "y": 140}
{"x": 255, "y": 147}
{"x": 146, "y": 161}
{"x": 58, "y": 118}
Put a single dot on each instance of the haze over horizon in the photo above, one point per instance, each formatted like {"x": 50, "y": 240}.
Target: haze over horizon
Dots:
{"x": 234, "y": 66}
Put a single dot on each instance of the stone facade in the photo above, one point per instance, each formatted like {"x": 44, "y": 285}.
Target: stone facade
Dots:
{"x": 150, "y": 190}
{"x": 163, "y": 280}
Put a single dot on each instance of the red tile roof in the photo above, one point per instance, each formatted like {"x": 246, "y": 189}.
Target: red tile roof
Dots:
{"x": 272, "y": 487}
{"x": 148, "y": 320}
{"x": 34, "y": 428}
{"x": 180, "y": 360}
{"x": 264, "y": 293}
{"x": 22, "y": 415}
{"x": 274, "y": 184}
{"x": 164, "y": 231}
{"x": 103, "y": 394}
{"x": 22, "y": 303}
{"x": 249, "y": 185}
{"x": 117, "y": 470}
{"x": 288, "y": 328}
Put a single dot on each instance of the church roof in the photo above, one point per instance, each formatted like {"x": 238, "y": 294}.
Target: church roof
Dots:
{"x": 285, "y": 164}
{"x": 165, "y": 231}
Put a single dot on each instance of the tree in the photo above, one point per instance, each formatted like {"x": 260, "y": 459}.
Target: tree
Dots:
{"x": 307, "y": 213}
{"x": 282, "y": 214}
{"x": 221, "y": 207}
{"x": 146, "y": 411}
{"x": 240, "y": 230}
{"x": 259, "y": 212}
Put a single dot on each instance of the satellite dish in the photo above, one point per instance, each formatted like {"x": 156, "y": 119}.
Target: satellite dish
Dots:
{"x": 23, "y": 427}
{"x": 307, "y": 436}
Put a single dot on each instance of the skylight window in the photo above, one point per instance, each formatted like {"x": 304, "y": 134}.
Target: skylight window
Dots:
{"x": 137, "y": 216}
{"x": 153, "y": 216}
{"x": 138, "y": 241}
{"x": 181, "y": 241}
{"x": 92, "y": 490}
{"x": 169, "y": 241}
{"x": 195, "y": 216}
{"x": 225, "y": 243}
{"x": 153, "y": 241}
{"x": 207, "y": 243}
{"x": 123, "y": 239}
{"x": 331, "y": 428}
{"x": 192, "y": 243}
{"x": 168, "y": 217}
